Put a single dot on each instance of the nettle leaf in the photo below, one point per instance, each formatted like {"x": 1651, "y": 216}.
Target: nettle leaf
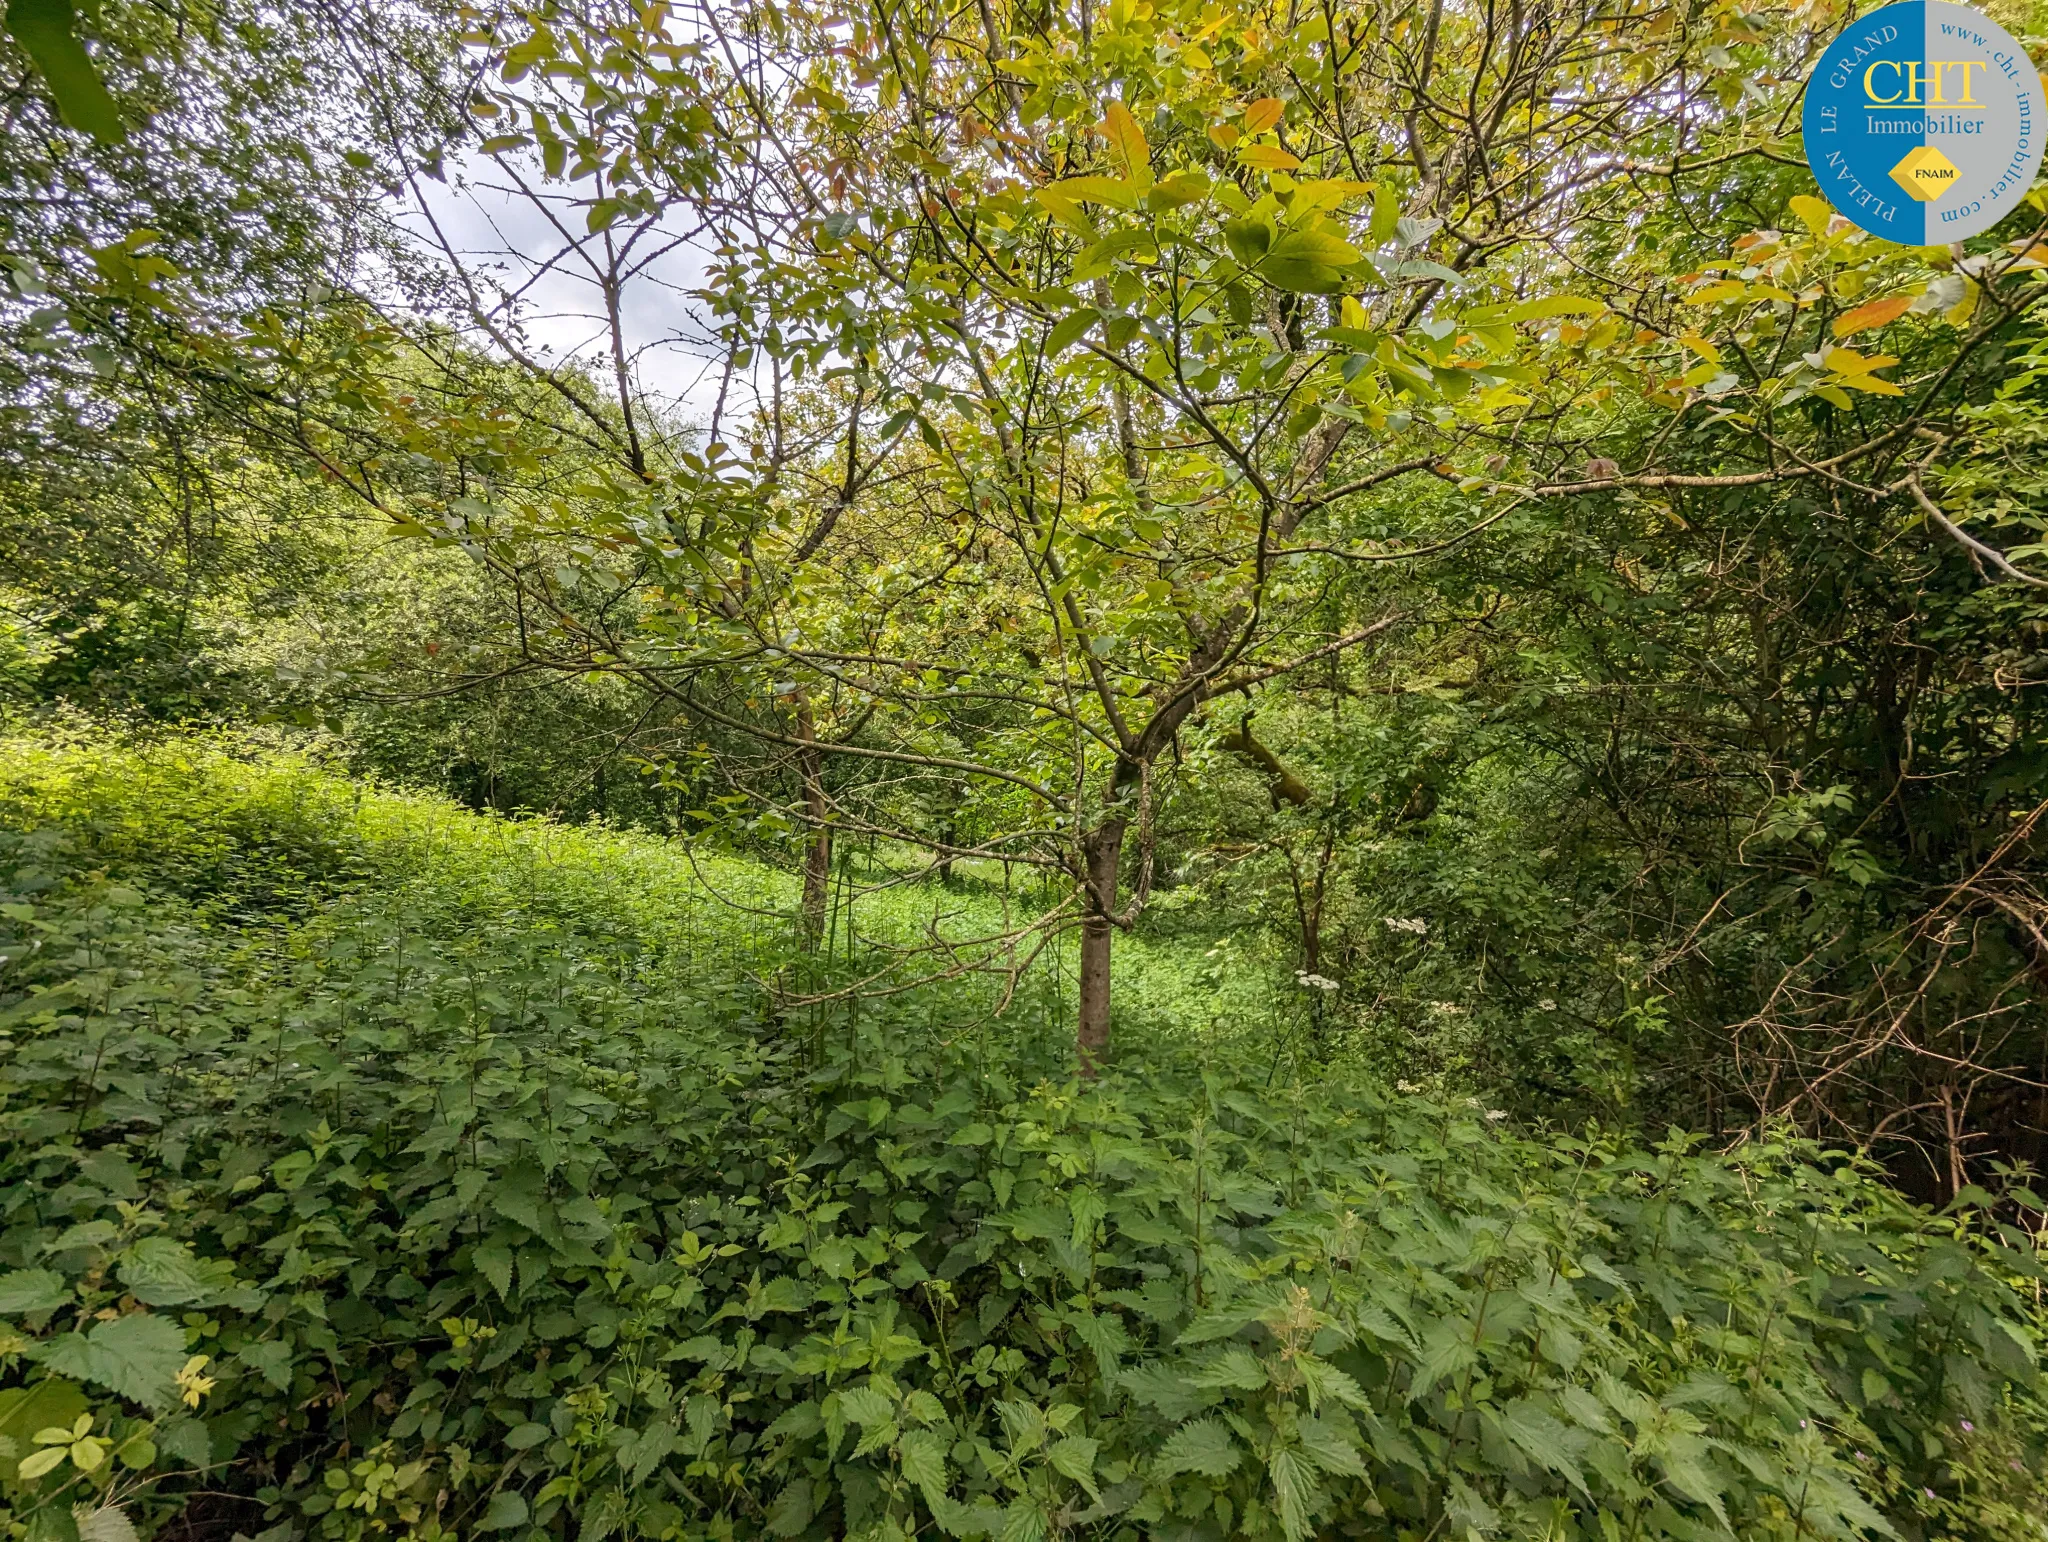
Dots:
{"x": 23, "y": 1291}
{"x": 138, "y": 1356}
{"x": 643, "y": 1451}
{"x": 161, "y": 1272}
{"x": 1235, "y": 1367}
{"x": 494, "y": 1259}
{"x": 1204, "y": 1447}
{"x": 271, "y": 1359}
{"x": 1332, "y": 1443}
{"x": 1166, "y": 1389}
{"x": 923, "y": 1457}
{"x": 1294, "y": 1491}
{"x": 865, "y": 1406}
{"x": 790, "y": 1514}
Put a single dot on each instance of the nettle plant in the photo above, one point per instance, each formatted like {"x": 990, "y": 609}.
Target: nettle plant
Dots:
{"x": 404, "y": 1214}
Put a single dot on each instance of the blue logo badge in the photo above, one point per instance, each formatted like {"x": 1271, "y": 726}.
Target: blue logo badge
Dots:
{"x": 1924, "y": 122}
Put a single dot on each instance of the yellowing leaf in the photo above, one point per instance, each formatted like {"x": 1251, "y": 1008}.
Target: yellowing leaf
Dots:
{"x": 1065, "y": 210}
{"x": 1267, "y": 158}
{"x": 1315, "y": 246}
{"x": 1224, "y": 135}
{"x": 1876, "y": 313}
{"x": 1813, "y": 213}
{"x": 1847, "y": 361}
{"x": 1351, "y": 313}
{"x": 1110, "y": 190}
{"x": 1262, "y": 114}
{"x": 1714, "y": 294}
{"x": 1326, "y": 194}
{"x": 1126, "y": 138}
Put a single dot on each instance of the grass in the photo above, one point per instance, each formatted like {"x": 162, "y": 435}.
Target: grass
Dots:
{"x": 186, "y": 805}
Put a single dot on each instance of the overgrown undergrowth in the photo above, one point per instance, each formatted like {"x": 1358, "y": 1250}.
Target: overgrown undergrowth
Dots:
{"x": 379, "y": 1170}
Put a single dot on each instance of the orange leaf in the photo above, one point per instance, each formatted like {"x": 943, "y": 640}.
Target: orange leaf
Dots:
{"x": 1267, "y": 158}
{"x": 1876, "y": 314}
{"x": 1126, "y": 138}
{"x": 1262, "y": 114}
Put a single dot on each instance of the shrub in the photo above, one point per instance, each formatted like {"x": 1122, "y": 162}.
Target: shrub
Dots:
{"x": 442, "y": 1188}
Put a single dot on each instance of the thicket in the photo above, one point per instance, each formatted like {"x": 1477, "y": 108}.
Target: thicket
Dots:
{"x": 372, "y": 1168}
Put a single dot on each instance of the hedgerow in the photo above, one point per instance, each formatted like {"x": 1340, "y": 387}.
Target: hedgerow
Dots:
{"x": 359, "y": 1187}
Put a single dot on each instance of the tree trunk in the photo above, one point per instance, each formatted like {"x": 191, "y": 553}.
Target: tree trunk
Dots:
{"x": 818, "y": 855}
{"x": 1103, "y": 853}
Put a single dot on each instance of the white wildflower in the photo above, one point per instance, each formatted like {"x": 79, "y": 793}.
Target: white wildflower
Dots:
{"x": 1315, "y": 982}
{"x": 1546, "y": 1005}
{"x": 1413, "y": 924}
{"x": 1495, "y": 1115}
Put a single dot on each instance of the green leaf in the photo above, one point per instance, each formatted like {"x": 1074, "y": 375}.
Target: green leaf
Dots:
{"x": 271, "y": 1359}
{"x": 1204, "y": 1447}
{"x": 1332, "y": 1444}
{"x": 792, "y": 1511}
{"x": 1314, "y": 246}
{"x": 923, "y": 1454}
{"x": 1386, "y": 212}
{"x": 494, "y": 1260}
{"x": 23, "y": 1291}
{"x": 1074, "y": 1457}
{"x": 865, "y": 1406}
{"x": 185, "y": 1440}
{"x": 1104, "y": 254}
{"x": 47, "y": 31}
{"x": 161, "y": 1272}
{"x": 24, "y": 1410}
{"x": 1309, "y": 262}
{"x": 108, "y": 1523}
{"x": 641, "y": 1454}
{"x": 138, "y": 1356}
{"x": 1294, "y": 1491}
{"x": 1248, "y": 240}
{"x": 1067, "y": 331}
{"x": 507, "y": 1509}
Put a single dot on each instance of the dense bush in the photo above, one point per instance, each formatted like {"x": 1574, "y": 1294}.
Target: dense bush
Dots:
{"x": 391, "y": 1182}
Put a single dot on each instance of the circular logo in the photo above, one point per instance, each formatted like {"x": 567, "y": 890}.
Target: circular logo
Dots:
{"x": 1924, "y": 122}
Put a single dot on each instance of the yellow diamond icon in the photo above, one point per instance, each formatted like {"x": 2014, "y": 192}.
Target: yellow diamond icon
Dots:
{"x": 1925, "y": 173}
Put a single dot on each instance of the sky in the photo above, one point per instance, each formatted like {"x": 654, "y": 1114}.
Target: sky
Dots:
{"x": 520, "y": 254}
